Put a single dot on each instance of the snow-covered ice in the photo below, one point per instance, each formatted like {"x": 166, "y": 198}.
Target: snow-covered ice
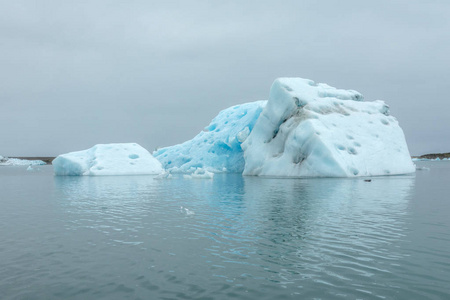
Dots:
{"x": 218, "y": 147}
{"x": 314, "y": 130}
{"x": 108, "y": 159}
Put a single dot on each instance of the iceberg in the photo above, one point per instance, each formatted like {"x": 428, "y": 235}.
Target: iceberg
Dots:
{"x": 310, "y": 129}
{"x": 217, "y": 148}
{"x": 108, "y": 159}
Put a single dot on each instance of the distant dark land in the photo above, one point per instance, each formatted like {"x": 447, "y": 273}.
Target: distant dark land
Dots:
{"x": 434, "y": 156}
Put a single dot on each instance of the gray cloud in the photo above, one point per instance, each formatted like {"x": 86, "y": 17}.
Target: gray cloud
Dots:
{"x": 78, "y": 73}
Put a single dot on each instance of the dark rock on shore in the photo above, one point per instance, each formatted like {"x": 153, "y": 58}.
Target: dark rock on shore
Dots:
{"x": 433, "y": 156}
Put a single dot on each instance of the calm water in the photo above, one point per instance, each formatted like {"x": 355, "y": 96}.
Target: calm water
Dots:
{"x": 231, "y": 237}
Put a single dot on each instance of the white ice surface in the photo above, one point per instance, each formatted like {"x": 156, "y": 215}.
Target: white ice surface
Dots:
{"x": 314, "y": 130}
{"x": 108, "y": 159}
{"x": 218, "y": 147}
{"x": 199, "y": 173}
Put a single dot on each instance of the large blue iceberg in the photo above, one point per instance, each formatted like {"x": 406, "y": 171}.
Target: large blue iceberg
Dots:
{"x": 305, "y": 129}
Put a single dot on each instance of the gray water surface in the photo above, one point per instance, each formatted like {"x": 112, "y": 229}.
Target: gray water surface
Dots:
{"x": 135, "y": 237}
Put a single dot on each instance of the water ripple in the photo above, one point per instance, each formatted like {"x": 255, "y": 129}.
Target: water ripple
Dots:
{"x": 231, "y": 237}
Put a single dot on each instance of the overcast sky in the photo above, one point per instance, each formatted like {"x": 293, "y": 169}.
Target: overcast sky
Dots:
{"x": 77, "y": 73}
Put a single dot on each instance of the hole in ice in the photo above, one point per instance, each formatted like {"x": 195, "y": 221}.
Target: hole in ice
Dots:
{"x": 384, "y": 121}
{"x": 340, "y": 147}
{"x": 132, "y": 163}
{"x": 333, "y": 124}
{"x": 275, "y": 133}
{"x": 298, "y": 159}
{"x": 357, "y": 144}
{"x": 185, "y": 160}
{"x": 318, "y": 133}
{"x": 169, "y": 162}
{"x": 387, "y": 172}
{"x": 212, "y": 127}
{"x": 99, "y": 168}
{"x": 133, "y": 156}
{"x": 236, "y": 107}
{"x": 226, "y": 122}
{"x": 242, "y": 115}
{"x": 354, "y": 171}
{"x": 352, "y": 150}
{"x": 287, "y": 88}
{"x": 349, "y": 137}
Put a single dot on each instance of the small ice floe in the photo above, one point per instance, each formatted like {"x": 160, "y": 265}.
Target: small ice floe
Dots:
{"x": 164, "y": 175}
{"x": 199, "y": 173}
{"x": 422, "y": 168}
{"x": 186, "y": 211}
{"x": 31, "y": 169}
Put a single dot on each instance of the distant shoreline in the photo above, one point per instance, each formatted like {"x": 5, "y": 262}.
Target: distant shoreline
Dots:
{"x": 433, "y": 156}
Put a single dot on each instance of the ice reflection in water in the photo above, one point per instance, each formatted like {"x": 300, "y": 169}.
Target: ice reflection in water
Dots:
{"x": 247, "y": 236}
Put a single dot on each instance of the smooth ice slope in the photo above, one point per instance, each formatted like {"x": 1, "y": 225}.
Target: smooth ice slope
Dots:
{"x": 218, "y": 147}
{"x": 309, "y": 129}
{"x": 108, "y": 159}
